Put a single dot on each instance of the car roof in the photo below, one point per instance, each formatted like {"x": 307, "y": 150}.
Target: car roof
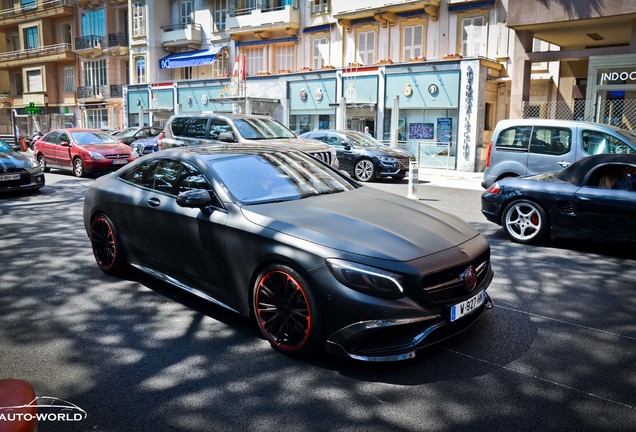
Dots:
{"x": 78, "y": 130}
{"x": 576, "y": 172}
{"x": 551, "y": 122}
{"x": 228, "y": 149}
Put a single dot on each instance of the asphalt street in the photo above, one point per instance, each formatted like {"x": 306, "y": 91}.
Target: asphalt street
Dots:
{"x": 556, "y": 353}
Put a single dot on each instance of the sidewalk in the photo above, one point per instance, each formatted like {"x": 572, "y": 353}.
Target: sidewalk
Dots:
{"x": 450, "y": 178}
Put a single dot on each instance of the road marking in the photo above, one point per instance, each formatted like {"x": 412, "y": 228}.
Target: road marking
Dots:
{"x": 509, "y": 369}
{"x": 566, "y": 322}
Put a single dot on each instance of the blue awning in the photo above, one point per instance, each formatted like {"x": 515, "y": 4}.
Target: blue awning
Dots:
{"x": 477, "y": 4}
{"x": 190, "y": 58}
{"x": 317, "y": 28}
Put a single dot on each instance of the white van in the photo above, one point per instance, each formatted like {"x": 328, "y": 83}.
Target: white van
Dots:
{"x": 532, "y": 146}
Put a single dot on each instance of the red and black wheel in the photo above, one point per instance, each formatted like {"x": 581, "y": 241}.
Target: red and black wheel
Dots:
{"x": 286, "y": 311}
{"x": 106, "y": 247}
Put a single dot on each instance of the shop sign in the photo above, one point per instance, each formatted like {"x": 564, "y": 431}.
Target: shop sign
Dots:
{"x": 618, "y": 76}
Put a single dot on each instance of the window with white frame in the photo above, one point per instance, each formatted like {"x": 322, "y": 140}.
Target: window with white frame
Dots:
{"x": 319, "y": 6}
{"x": 366, "y": 47}
{"x": 319, "y": 52}
{"x": 34, "y": 81}
{"x": 139, "y": 19}
{"x": 285, "y": 57}
{"x": 413, "y": 41}
{"x": 255, "y": 60}
{"x": 140, "y": 70}
{"x": 538, "y": 46}
{"x": 69, "y": 79}
{"x": 95, "y": 75}
{"x": 474, "y": 36}
{"x": 97, "y": 118}
{"x": 186, "y": 12}
{"x": 222, "y": 9}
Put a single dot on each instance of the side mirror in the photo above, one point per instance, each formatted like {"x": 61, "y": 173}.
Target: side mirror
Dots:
{"x": 195, "y": 198}
{"x": 227, "y": 137}
{"x": 65, "y": 144}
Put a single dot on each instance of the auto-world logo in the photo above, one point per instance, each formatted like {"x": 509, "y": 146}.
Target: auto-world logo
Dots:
{"x": 43, "y": 409}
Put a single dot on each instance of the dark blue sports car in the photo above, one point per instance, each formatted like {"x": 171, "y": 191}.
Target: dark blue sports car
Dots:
{"x": 18, "y": 171}
{"x": 593, "y": 198}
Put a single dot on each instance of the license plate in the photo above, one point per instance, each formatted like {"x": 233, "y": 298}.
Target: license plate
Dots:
{"x": 467, "y": 306}
{"x": 7, "y": 177}
{"x": 120, "y": 162}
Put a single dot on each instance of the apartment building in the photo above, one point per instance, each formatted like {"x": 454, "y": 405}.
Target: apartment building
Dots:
{"x": 595, "y": 74}
{"x": 423, "y": 73}
{"x": 37, "y": 61}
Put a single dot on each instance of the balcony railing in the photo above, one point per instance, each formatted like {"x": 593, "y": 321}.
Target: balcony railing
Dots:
{"x": 88, "y": 42}
{"x": 34, "y": 53}
{"x": 181, "y": 35}
{"x": 117, "y": 40}
{"x": 100, "y": 91}
{"x": 35, "y": 9}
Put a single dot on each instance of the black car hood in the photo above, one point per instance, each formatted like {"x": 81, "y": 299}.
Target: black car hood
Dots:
{"x": 365, "y": 222}
{"x": 13, "y": 160}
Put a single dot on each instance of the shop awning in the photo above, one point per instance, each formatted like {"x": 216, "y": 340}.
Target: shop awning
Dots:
{"x": 318, "y": 28}
{"x": 190, "y": 58}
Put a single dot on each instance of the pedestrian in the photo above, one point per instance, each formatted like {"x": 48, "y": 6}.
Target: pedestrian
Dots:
{"x": 366, "y": 130}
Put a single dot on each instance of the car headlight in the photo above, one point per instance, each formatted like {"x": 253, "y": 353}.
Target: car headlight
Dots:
{"x": 33, "y": 164}
{"x": 134, "y": 153}
{"x": 387, "y": 159}
{"x": 366, "y": 279}
{"x": 95, "y": 155}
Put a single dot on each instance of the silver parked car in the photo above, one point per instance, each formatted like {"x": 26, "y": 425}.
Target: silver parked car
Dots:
{"x": 197, "y": 129}
{"x": 534, "y": 146}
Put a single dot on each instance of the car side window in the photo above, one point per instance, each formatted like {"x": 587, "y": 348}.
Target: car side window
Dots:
{"x": 595, "y": 142}
{"x": 614, "y": 176}
{"x": 142, "y": 175}
{"x": 514, "y": 138}
{"x": 174, "y": 177}
{"x": 334, "y": 139}
{"x": 197, "y": 127}
{"x": 551, "y": 140}
{"x": 217, "y": 127}
{"x": 178, "y": 126}
{"x": 63, "y": 138}
{"x": 52, "y": 137}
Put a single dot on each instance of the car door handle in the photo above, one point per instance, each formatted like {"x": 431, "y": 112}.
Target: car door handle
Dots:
{"x": 564, "y": 163}
{"x": 154, "y": 202}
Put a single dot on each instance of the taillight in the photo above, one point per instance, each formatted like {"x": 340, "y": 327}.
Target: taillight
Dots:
{"x": 488, "y": 155}
{"x": 159, "y": 140}
{"x": 494, "y": 188}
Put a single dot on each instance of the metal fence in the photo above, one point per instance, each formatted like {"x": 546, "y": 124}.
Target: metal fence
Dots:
{"x": 616, "y": 112}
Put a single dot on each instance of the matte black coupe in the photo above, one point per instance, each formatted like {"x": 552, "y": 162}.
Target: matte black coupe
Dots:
{"x": 594, "y": 198}
{"x": 317, "y": 259}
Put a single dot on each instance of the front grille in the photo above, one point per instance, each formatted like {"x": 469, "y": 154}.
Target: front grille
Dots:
{"x": 9, "y": 170}
{"x": 323, "y": 156}
{"x": 118, "y": 156}
{"x": 446, "y": 285}
{"x": 404, "y": 162}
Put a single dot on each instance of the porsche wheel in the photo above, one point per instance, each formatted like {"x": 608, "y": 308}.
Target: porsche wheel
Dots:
{"x": 525, "y": 222}
{"x": 106, "y": 246}
{"x": 286, "y": 311}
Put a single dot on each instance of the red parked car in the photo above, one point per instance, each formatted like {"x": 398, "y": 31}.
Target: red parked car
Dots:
{"x": 82, "y": 151}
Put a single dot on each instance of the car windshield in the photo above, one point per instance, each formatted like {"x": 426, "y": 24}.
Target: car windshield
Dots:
{"x": 363, "y": 140}
{"x": 272, "y": 177}
{"x": 92, "y": 138}
{"x": 629, "y": 136}
{"x": 4, "y": 147}
{"x": 262, "y": 128}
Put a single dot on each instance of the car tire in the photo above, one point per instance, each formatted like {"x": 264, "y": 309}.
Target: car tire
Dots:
{"x": 78, "y": 167}
{"x": 42, "y": 162}
{"x": 525, "y": 221}
{"x": 286, "y": 311}
{"x": 364, "y": 170}
{"x": 107, "y": 248}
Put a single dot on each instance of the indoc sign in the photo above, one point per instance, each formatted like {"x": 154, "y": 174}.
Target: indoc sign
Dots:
{"x": 618, "y": 76}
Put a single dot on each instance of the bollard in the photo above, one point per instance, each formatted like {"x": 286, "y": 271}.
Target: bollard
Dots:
{"x": 413, "y": 180}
